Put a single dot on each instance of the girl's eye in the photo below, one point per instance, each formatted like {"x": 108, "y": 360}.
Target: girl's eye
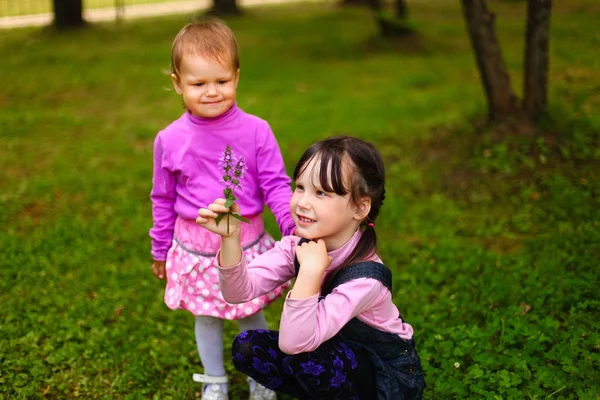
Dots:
{"x": 321, "y": 193}
{"x": 300, "y": 188}
{"x": 199, "y": 84}
{"x": 222, "y": 82}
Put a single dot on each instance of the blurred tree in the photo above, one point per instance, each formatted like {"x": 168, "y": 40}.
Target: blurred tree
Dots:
{"x": 68, "y": 14}
{"x": 536, "y": 57}
{"x": 224, "y": 7}
{"x": 391, "y": 24}
{"x": 502, "y": 102}
{"x": 354, "y": 3}
{"x": 401, "y": 9}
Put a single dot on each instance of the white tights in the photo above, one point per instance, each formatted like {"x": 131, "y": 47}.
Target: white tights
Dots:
{"x": 209, "y": 339}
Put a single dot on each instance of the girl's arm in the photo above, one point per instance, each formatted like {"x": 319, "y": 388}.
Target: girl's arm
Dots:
{"x": 314, "y": 260}
{"x": 228, "y": 228}
{"x": 163, "y": 203}
{"x": 244, "y": 282}
{"x": 274, "y": 183}
{"x": 240, "y": 282}
{"x": 307, "y": 323}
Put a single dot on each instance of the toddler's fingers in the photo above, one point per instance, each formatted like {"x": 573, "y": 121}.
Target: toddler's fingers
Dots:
{"x": 206, "y": 213}
{"x": 201, "y": 221}
{"x": 218, "y": 208}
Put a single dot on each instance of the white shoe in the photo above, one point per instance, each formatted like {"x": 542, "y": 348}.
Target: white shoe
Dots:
{"x": 213, "y": 391}
{"x": 262, "y": 393}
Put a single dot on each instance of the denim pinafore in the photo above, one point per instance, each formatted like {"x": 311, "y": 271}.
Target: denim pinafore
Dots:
{"x": 397, "y": 368}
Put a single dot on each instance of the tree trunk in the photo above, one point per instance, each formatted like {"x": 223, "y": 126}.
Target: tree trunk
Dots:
{"x": 68, "y": 14}
{"x": 391, "y": 29}
{"x": 354, "y": 3}
{"x": 502, "y": 102}
{"x": 374, "y": 5}
{"x": 535, "y": 86}
{"x": 391, "y": 26}
{"x": 401, "y": 9}
{"x": 225, "y": 7}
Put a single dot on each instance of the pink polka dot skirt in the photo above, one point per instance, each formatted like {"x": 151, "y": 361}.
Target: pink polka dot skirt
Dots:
{"x": 193, "y": 279}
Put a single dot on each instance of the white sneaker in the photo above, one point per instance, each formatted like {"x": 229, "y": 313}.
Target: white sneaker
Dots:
{"x": 262, "y": 393}
{"x": 213, "y": 391}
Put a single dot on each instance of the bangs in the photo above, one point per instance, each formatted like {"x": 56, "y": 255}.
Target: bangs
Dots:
{"x": 211, "y": 39}
{"x": 210, "y": 51}
{"x": 330, "y": 160}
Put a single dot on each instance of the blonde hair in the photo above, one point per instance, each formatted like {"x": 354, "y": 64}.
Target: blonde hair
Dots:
{"x": 211, "y": 39}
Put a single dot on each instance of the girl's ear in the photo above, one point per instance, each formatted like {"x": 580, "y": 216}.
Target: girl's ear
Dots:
{"x": 363, "y": 208}
{"x": 175, "y": 80}
{"x": 237, "y": 77}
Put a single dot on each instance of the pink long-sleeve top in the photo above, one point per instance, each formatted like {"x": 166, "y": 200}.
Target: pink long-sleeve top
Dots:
{"x": 307, "y": 323}
{"x": 187, "y": 175}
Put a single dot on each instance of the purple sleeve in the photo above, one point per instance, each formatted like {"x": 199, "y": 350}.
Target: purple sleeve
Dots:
{"x": 273, "y": 180}
{"x": 163, "y": 202}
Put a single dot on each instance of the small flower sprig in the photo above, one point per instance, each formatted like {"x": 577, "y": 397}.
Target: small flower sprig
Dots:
{"x": 233, "y": 172}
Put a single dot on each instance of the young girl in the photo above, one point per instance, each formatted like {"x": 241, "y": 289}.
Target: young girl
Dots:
{"x": 341, "y": 336}
{"x": 188, "y": 175}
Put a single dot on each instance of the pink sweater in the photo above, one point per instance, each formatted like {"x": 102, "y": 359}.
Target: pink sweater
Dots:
{"x": 187, "y": 175}
{"x": 307, "y": 323}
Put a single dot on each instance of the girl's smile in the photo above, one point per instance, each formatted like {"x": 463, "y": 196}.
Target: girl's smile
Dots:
{"x": 320, "y": 214}
{"x": 208, "y": 86}
{"x": 304, "y": 220}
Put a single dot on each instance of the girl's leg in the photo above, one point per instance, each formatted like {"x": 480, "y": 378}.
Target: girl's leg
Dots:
{"x": 332, "y": 371}
{"x": 256, "y": 321}
{"x": 253, "y": 322}
{"x": 209, "y": 339}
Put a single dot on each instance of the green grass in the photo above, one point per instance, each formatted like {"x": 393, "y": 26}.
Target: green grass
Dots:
{"x": 494, "y": 244}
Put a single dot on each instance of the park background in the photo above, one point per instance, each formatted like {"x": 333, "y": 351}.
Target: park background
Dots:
{"x": 491, "y": 230}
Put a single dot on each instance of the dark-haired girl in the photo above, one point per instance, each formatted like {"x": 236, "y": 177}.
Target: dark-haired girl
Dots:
{"x": 340, "y": 336}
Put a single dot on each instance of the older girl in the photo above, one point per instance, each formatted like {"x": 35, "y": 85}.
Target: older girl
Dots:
{"x": 341, "y": 336}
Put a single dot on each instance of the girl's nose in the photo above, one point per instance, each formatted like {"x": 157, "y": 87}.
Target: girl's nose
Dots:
{"x": 302, "y": 203}
{"x": 211, "y": 90}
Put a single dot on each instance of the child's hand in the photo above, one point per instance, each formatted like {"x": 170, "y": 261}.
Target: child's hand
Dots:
{"x": 207, "y": 218}
{"x": 158, "y": 269}
{"x": 313, "y": 258}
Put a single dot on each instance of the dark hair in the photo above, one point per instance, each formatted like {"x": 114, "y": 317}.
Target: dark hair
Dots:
{"x": 367, "y": 179}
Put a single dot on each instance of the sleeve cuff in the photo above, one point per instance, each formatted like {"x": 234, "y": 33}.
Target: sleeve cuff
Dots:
{"x": 159, "y": 255}
{"x": 301, "y": 303}
{"x": 291, "y": 230}
{"x": 233, "y": 267}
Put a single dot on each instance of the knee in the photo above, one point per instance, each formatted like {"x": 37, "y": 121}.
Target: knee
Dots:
{"x": 241, "y": 349}
{"x": 244, "y": 347}
{"x": 251, "y": 344}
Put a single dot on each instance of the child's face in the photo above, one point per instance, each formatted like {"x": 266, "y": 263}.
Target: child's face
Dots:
{"x": 323, "y": 215}
{"x": 207, "y": 86}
